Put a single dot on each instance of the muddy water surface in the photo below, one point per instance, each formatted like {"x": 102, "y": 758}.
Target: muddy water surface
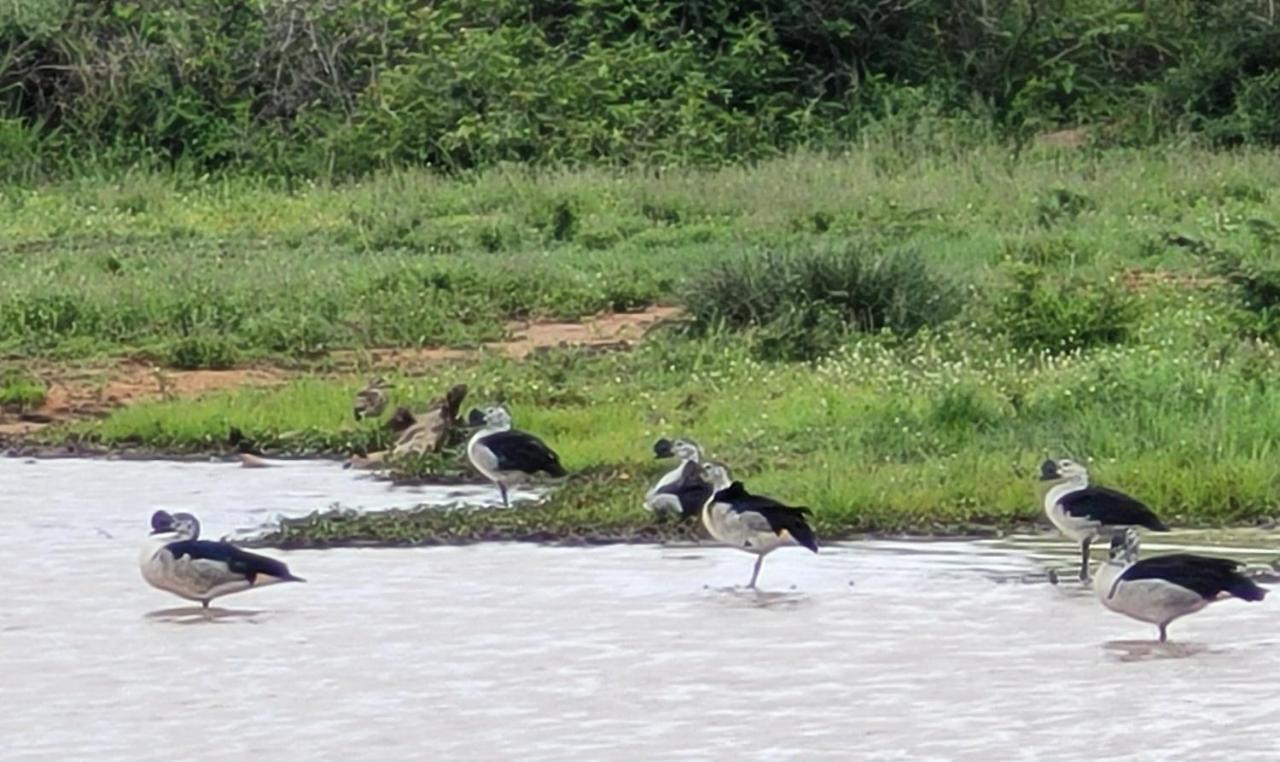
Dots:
{"x": 873, "y": 650}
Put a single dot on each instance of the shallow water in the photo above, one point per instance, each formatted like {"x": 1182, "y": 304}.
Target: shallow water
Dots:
{"x": 872, "y": 650}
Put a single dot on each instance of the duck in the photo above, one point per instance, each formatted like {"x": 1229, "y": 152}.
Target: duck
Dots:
{"x": 416, "y": 434}
{"x": 1084, "y": 512}
{"x": 1160, "y": 589}
{"x": 372, "y": 400}
{"x": 176, "y": 560}
{"x": 428, "y": 432}
{"x": 682, "y": 490}
{"x": 752, "y": 523}
{"x": 507, "y": 456}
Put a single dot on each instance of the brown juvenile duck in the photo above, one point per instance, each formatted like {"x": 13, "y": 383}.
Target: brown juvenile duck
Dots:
{"x": 372, "y": 400}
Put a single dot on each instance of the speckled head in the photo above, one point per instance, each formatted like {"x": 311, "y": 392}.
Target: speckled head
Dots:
{"x": 494, "y": 417}
{"x": 717, "y": 475}
{"x": 684, "y": 449}
{"x": 186, "y": 525}
{"x": 1062, "y": 470}
{"x": 1125, "y": 545}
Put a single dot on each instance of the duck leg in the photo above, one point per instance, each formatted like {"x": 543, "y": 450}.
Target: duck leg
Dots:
{"x": 506, "y": 503}
{"x": 1164, "y": 635}
{"x": 756, "y": 572}
{"x": 1084, "y": 559}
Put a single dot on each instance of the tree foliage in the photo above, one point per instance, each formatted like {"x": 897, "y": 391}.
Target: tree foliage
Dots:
{"x": 323, "y": 87}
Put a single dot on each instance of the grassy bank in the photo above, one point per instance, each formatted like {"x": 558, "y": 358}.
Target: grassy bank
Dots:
{"x": 207, "y": 273}
{"x": 934, "y": 433}
{"x": 895, "y": 340}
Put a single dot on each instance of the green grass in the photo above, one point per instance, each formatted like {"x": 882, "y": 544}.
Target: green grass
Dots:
{"x": 208, "y": 272}
{"x": 1165, "y": 387}
{"x": 932, "y": 433}
{"x": 20, "y": 390}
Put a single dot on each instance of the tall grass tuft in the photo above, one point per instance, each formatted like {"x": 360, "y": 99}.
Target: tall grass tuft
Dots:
{"x": 804, "y": 303}
{"x": 1050, "y": 312}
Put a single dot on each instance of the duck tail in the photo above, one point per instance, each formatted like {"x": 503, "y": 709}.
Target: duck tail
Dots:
{"x": 803, "y": 534}
{"x": 1246, "y": 589}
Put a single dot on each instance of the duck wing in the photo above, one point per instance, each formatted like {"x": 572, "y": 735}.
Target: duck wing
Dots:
{"x": 761, "y": 512}
{"x": 1206, "y": 576}
{"x": 1107, "y": 506}
{"x": 240, "y": 563}
{"x": 521, "y": 451}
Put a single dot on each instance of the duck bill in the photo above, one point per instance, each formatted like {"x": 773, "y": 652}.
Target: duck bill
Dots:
{"x": 475, "y": 417}
{"x": 161, "y": 522}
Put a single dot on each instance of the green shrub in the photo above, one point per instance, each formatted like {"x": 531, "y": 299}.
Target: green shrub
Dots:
{"x": 1257, "y": 281}
{"x": 202, "y": 351}
{"x": 342, "y": 88}
{"x": 20, "y": 390}
{"x": 1062, "y": 204}
{"x": 1045, "y": 311}
{"x": 805, "y": 303}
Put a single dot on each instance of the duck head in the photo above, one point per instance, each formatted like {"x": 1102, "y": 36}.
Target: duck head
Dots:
{"x": 161, "y": 522}
{"x": 401, "y": 419}
{"x": 492, "y": 417}
{"x": 717, "y": 475}
{"x": 1124, "y": 546}
{"x": 1058, "y": 471}
{"x": 183, "y": 525}
{"x": 186, "y": 525}
{"x": 683, "y": 449}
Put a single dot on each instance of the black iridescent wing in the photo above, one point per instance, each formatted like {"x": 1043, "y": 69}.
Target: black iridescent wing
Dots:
{"x": 520, "y": 451}
{"x": 1207, "y": 577}
{"x": 238, "y": 561}
{"x": 1110, "y": 508}
{"x": 792, "y": 519}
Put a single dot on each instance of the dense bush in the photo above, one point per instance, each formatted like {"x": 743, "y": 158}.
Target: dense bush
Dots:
{"x": 805, "y": 303}
{"x": 202, "y": 351}
{"x": 1046, "y": 311}
{"x": 1256, "y": 279}
{"x": 343, "y": 86}
{"x": 20, "y": 391}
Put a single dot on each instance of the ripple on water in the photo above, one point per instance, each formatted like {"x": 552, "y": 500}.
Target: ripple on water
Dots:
{"x": 879, "y": 650}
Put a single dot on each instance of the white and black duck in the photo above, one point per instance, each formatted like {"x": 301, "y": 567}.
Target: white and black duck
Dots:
{"x": 176, "y": 560}
{"x": 1161, "y": 589}
{"x": 752, "y": 523}
{"x": 506, "y": 456}
{"x": 682, "y": 490}
{"x": 1084, "y": 512}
